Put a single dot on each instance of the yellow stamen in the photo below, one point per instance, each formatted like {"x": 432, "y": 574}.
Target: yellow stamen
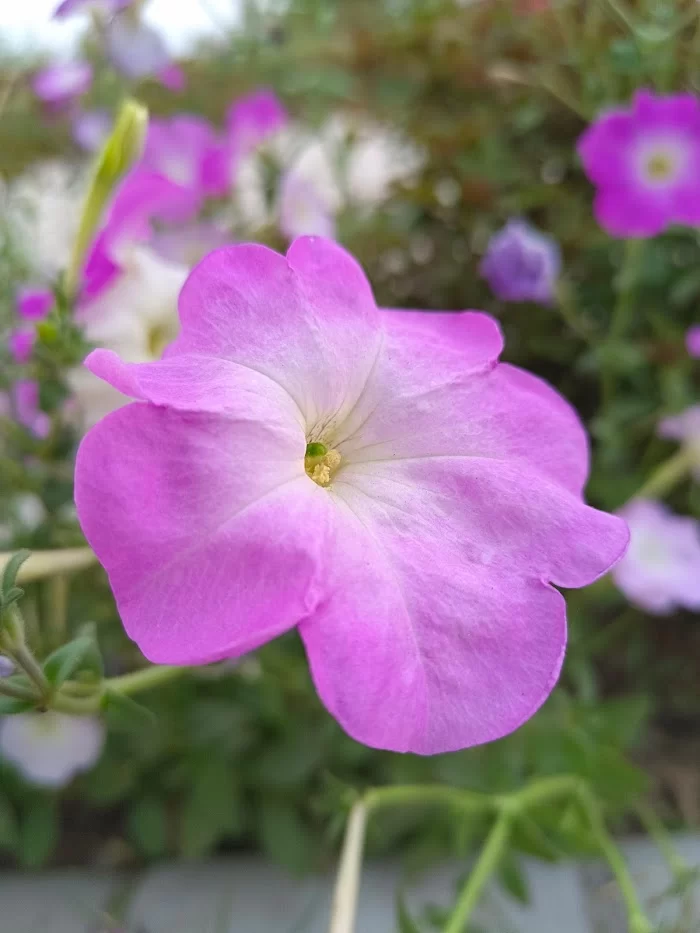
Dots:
{"x": 322, "y": 467}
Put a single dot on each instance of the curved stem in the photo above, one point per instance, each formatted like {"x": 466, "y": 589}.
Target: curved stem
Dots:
{"x": 16, "y": 691}
{"x": 145, "y": 679}
{"x": 347, "y": 886}
{"x": 483, "y": 870}
{"x": 428, "y": 793}
{"x": 658, "y": 832}
{"x": 42, "y": 564}
{"x": 667, "y": 475}
{"x": 26, "y": 660}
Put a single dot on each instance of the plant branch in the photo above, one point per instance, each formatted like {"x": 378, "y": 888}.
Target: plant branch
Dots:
{"x": 347, "y": 885}
{"x": 42, "y": 564}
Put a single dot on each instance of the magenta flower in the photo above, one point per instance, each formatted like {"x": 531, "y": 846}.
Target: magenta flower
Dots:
{"x": 522, "y": 264}
{"x": 302, "y": 209}
{"x": 20, "y": 343}
{"x": 91, "y": 129}
{"x": 661, "y": 570}
{"x": 34, "y": 304}
{"x": 692, "y": 341}
{"x": 188, "y": 152}
{"x": 173, "y": 77}
{"x": 59, "y": 84}
{"x": 253, "y": 119}
{"x": 107, "y": 7}
{"x": 24, "y": 404}
{"x": 645, "y": 163}
{"x": 374, "y": 478}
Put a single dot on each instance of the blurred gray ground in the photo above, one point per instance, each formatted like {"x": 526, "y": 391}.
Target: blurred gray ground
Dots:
{"x": 246, "y": 895}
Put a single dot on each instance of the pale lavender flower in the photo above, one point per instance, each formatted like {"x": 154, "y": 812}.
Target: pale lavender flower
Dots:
{"x": 106, "y": 7}
{"x": 34, "y": 304}
{"x": 138, "y": 51}
{"x": 24, "y": 404}
{"x": 91, "y": 129}
{"x": 692, "y": 341}
{"x": 189, "y": 244}
{"x": 522, "y": 264}
{"x": 61, "y": 83}
{"x": 50, "y": 748}
{"x": 661, "y": 570}
{"x": 302, "y": 209}
{"x": 7, "y": 668}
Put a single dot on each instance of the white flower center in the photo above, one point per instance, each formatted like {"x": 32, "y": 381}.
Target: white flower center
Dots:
{"x": 661, "y": 163}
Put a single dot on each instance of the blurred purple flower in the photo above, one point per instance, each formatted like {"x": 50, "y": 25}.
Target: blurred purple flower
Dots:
{"x": 91, "y": 129}
{"x": 138, "y": 51}
{"x": 61, "y": 83}
{"x": 522, "y": 264}
{"x": 302, "y": 209}
{"x": 24, "y": 404}
{"x": 108, "y": 7}
{"x": 644, "y": 161}
{"x": 34, "y": 304}
{"x": 661, "y": 570}
{"x": 7, "y": 668}
{"x": 253, "y": 119}
{"x": 20, "y": 343}
{"x": 187, "y": 151}
{"x": 692, "y": 341}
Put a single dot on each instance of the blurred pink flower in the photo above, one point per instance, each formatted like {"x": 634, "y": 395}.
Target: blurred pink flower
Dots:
{"x": 20, "y": 343}
{"x": 138, "y": 51}
{"x": 61, "y": 83}
{"x": 24, "y": 405}
{"x": 522, "y": 264}
{"x": 302, "y": 209}
{"x": 173, "y": 77}
{"x": 661, "y": 570}
{"x": 34, "y": 304}
{"x": 644, "y": 162}
{"x": 300, "y": 457}
{"x": 253, "y": 119}
{"x": 692, "y": 341}
{"x": 189, "y": 244}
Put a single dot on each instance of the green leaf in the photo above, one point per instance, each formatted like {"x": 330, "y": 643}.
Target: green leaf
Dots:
{"x": 11, "y": 570}
{"x": 512, "y": 878}
{"x": 121, "y": 712}
{"x": 9, "y": 829}
{"x": 39, "y": 831}
{"x": 285, "y": 837}
{"x": 147, "y": 826}
{"x": 82, "y": 654}
{"x": 9, "y": 706}
{"x": 406, "y": 923}
{"x": 211, "y": 810}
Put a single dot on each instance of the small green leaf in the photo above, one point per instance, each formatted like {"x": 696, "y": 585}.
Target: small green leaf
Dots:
{"x": 211, "y": 810}
{"x": 38, "y": 831}
{"x": 285, "y": 837}
{"x": 11, "y": 570}
{"x": 147, "y": 826}
{"x": 9, "y": 706}
{"x": 121, "y": 712}
{"x": 512, "y": 878}
{"x": 82, "y": 654}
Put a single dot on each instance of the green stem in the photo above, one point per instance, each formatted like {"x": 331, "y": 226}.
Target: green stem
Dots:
{"x": 16, "y": 691}
{"x": 546, "y": 789}
{"x": 25, "y": 659}
{"x": 666, "y": 476}
{"x": 622, "y": 312}
{"x": 402, "y": 795}
{"x": 658, "y": 832}
{"x": 486, "y": 864}
{"x": 635, "y": 913}
{"x": 145, "y": 679}
{"x": 42, "y": 564}
{"x": 347, "y": 886}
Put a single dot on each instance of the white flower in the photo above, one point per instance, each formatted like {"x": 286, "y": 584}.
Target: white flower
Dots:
{"x": 50, "y": 748}
{"x": 136, "y": 318}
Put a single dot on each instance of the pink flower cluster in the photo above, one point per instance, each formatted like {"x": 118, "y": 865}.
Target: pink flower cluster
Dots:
{"x": 374, "y": 478}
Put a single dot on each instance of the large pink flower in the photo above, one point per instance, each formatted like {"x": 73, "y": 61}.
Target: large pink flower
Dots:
{"x": 375, "y": 478}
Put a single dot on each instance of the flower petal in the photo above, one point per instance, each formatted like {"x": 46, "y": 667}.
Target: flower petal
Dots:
{"x": 202, "y": 520}
{"x": 309, "y": 321}
{"x": 446, "y": 633}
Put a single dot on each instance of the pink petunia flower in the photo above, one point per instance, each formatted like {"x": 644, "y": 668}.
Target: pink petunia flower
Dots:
{"x": 253, "y": 119}
{"x": 34, "y": 304}
{"x": 20, "y": 343}
{"x": 301, "y": 458}
{"x": 187, "y": 151}
{"x": 24, "y": 404}
{"x": 661, "y": 570}
{"x": 645, "y": 163}
{"x": 692, "y": 341}
{"x": 302, "y": 209}
{"x": 107, "y": 7}
{"x": 59, "y": 84}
